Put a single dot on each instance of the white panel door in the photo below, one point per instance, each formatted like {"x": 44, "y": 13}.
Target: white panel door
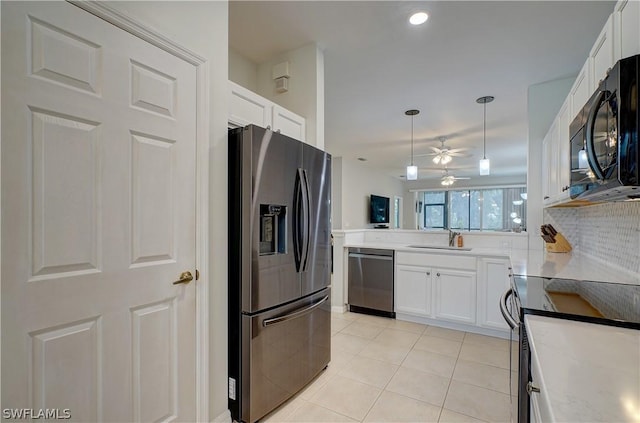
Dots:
{"x": 98, "y": 200}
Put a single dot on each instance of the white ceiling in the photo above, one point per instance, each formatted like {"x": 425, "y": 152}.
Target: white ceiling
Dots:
{"x": 377, "y": 66}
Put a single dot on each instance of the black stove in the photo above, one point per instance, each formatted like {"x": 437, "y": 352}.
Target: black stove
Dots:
{"x": 597, "y": 302}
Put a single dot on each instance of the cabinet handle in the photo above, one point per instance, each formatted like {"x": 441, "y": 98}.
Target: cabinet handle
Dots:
{"x": 565, "y": 188}
{"x": 428, "y": 273}
{"x": 532, "y": 388}
{"x": 546, "y": 197}
{"x": 438, "y": 274}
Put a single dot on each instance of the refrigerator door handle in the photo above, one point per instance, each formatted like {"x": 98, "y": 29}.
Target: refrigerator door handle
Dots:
{"x": 307, "y": 219}
{"x": 295, "y": 314}
{"x": 296, "y": 223}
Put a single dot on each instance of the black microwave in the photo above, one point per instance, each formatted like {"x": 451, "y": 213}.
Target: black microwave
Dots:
{"x": 604, "y": 138}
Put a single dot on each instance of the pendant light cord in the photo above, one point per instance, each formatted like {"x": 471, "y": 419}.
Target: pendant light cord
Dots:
{"x": 411, "y": 140}
{"x": 484, "y": 135}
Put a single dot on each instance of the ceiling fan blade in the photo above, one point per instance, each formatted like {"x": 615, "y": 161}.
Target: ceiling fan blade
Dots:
{"x": 461, "y": 178}
{"x": 457, "y": 150}
{"x": 425, "y": 154}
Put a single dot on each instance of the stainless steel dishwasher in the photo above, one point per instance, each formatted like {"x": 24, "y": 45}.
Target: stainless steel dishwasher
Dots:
{"x": 371, "y": 281}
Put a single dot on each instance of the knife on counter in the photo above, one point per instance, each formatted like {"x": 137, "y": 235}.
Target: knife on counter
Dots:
{"x": 546, "y": 234}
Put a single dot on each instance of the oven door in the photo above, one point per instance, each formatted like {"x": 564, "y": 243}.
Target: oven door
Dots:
{"x": 602, "y": 135}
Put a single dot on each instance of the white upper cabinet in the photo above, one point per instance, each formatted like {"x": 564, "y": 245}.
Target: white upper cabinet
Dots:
{"x": 581, "y": 90}
{"x": 289, "y": 123}
{"x": 564, "y": 152}
{"x": 556, "y": 160}
{"x": 626, "y": 26}
{"x": 247, "y": 107}
{"x": 602, "y": 57}
{"x": 550, "y": 169}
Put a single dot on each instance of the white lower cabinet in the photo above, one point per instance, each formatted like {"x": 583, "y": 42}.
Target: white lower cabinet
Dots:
{"x": 455, "y": 295}
{"x": 413, "y": 287}
{"x": 461, "y": 291}
{"x": 493, "y": 281}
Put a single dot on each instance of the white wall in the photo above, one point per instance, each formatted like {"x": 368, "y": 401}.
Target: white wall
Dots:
{"x": 336, "y": 193}
{"x": 359, "y": 181}
{"x": 202, "y": 27}
{"x": 243, "y": 71}
{"x": 306, "y": 88}
{"x": 544, "y": 102}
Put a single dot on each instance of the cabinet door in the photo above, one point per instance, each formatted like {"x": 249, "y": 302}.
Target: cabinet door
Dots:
{"x": 289, "y": 123}
{"x": 413, "y": 290}
{"x": 581, "y": 90}
{"x": 626, "y": 37}
{"x": 493, "y": 281}
{"x": 601, "y": 56}
{"x": 247, "y": 107}
{"x": 455, "y": 295}
{"x": 546, "y": 169}
{"x": 564, "y": 152}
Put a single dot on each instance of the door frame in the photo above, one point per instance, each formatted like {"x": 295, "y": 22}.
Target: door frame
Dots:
{"x": 116, "y": 18}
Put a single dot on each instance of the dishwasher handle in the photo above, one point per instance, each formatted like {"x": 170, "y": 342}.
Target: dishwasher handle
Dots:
{"x": 370, "y": 256}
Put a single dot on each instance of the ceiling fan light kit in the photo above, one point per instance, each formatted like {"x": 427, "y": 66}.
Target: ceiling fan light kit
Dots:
{"x": 412, "y": 170}
{"x": 485, "y": 164}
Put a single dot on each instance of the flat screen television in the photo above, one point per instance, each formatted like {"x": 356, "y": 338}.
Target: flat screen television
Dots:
{"x": 379, "y": 211}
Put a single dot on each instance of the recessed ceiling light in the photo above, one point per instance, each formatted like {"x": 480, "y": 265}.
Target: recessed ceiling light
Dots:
{"x": 418, "y": 18}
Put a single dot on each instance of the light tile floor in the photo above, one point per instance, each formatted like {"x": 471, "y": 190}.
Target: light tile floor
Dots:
{"x": 386, "y": 370}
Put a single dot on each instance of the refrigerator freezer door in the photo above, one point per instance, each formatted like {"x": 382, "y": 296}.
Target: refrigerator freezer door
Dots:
{"x": 317, "y": 262}
{"x": 282, "y": 350}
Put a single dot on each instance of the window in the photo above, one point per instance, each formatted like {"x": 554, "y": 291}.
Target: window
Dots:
{"x": 495, "y": 209}
{"x": 435, "y": 210}
{"x": 397, "y": 212}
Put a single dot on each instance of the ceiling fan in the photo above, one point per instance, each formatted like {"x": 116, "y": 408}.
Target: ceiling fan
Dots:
{"x": 444, "y": 154}
{"x": 448, "y": 180}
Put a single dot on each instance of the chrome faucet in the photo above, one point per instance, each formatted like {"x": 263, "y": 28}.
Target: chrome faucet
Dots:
{"x": 452, "y": 237}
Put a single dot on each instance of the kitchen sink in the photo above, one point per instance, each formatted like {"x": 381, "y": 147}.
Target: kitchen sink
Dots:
{"x": 439, "y": 247}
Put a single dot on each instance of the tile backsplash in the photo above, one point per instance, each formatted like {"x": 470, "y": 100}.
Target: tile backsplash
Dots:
{"x": 609, "y": 232}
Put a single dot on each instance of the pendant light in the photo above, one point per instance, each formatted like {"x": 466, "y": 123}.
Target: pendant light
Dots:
{"x": 412, "y": 170}
{"x": 485, "y": 165}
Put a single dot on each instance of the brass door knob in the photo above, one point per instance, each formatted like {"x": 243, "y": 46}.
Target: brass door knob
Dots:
{"x": 185, "y": 277}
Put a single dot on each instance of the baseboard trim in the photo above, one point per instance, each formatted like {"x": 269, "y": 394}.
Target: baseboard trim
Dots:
{"x": 225, "y": 417}
{"x": 338, "y": 309}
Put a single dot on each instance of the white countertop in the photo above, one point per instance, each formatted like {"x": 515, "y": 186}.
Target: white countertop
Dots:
{"x": 531, "y": 263}
{"x": 571, "y": 265}
{"x": 581, "y": 380}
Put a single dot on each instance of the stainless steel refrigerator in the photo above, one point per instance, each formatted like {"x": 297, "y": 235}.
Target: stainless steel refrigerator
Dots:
{"x": 279, "y": 268}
